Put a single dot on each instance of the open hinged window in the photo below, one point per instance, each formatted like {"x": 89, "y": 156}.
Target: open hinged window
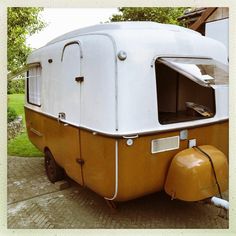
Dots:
{"x": 34, "y": 85}
{"x": 184, "y": 90}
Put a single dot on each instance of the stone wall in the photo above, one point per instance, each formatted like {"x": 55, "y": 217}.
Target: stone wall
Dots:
{"x": 14, "y": 128}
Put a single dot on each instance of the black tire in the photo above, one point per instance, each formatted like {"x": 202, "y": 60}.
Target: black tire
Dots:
{"x": 53, "y": 170}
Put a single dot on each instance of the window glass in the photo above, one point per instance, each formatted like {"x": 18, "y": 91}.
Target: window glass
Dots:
{"x": 34, "y": 86}
{"x": 202, "y": 71}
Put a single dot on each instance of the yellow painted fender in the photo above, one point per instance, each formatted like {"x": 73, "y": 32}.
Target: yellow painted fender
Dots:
{"x": 190, "y": 176}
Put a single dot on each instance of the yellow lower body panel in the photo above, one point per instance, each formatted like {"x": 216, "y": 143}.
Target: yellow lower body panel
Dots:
{"x": 191, "y": 175}
{"x": 139, "y": 171}
{"x": 142, "y": 172}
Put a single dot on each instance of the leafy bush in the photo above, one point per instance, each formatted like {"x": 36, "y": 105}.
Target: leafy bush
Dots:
{"x": 166, "y": 15}
{"x": 16, "y": 86}
{"x": 11, "y": 114}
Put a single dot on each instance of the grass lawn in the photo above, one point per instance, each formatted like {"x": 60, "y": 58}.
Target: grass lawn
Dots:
{"x": 16, "y": 101}
{"x": 20, "y": 145}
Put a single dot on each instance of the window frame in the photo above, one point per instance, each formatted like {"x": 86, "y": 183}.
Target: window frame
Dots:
{"x": 167, "y": 61}
{"x": 27, "y": 86}
{"x": 187, "y": 76}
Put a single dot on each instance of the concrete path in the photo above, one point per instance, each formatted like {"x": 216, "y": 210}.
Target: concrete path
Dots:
{"x": 33, "y": 202}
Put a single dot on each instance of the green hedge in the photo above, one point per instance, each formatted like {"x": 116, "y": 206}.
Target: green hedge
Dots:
{"x": 16, "y": 86}
{"x": 11, "y": 114}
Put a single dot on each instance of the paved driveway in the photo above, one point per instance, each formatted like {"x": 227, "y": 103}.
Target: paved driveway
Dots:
{"x": 33, "y": 202}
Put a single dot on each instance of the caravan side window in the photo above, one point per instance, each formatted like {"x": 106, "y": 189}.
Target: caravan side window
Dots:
{"x": 184, "y": 90}
{"x": 34, "y": 86}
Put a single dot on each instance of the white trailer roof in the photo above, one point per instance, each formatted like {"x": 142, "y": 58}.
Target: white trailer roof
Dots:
{"x": 134, "y": 25}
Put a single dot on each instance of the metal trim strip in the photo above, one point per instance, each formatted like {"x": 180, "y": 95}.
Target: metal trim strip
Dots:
{"x": 145, "y": 133}
{"x": 116, "y": 174}
{"x": 36, "y": 132}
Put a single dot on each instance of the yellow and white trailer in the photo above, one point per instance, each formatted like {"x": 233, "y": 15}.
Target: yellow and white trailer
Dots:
{"x": 128, "y": 109}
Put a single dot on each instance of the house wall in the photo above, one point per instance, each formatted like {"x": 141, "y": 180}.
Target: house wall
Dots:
{"x": 219, "y": 14}
{"x": 218, "y": 30}
{"x": 217, "y": 25}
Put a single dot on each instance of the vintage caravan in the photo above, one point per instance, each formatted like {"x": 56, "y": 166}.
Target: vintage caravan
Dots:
{"x": 128, "y": 109}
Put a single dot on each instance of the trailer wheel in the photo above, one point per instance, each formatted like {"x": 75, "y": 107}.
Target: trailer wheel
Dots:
{"x": 53, "y": 170}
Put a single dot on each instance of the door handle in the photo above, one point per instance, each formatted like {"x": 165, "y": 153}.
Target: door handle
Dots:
{"x": 79, "y": 79}
{"x": 61, "y": 116}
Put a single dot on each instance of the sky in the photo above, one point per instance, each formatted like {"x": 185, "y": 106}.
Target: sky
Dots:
{"x": 63, "y": 20}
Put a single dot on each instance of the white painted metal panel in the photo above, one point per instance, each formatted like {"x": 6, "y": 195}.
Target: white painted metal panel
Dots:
{"x": 51, "y": 73}
{"x": 98, "y": 89}
{"x": 117, "y": 26}
{"x": 68, "y": 92}
{"x": 137, "y": 98}
{"x": 222, "y": 101}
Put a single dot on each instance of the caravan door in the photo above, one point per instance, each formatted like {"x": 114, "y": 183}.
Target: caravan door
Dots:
{"x": 68, "y": 102}
{"x": 70, "y": 84}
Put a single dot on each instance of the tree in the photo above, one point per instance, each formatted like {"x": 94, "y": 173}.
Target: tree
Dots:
{"x": 22, "y": 22}
{"x": 166, "y": 15}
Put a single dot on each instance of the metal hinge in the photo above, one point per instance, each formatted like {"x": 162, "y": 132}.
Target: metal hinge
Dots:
{"x": 80, "y": 161}
{"x": 61, "y": 115}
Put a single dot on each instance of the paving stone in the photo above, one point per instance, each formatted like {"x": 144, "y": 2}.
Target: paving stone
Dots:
{"x": 63, "y": 184}
{"x": 34, "y": 202}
